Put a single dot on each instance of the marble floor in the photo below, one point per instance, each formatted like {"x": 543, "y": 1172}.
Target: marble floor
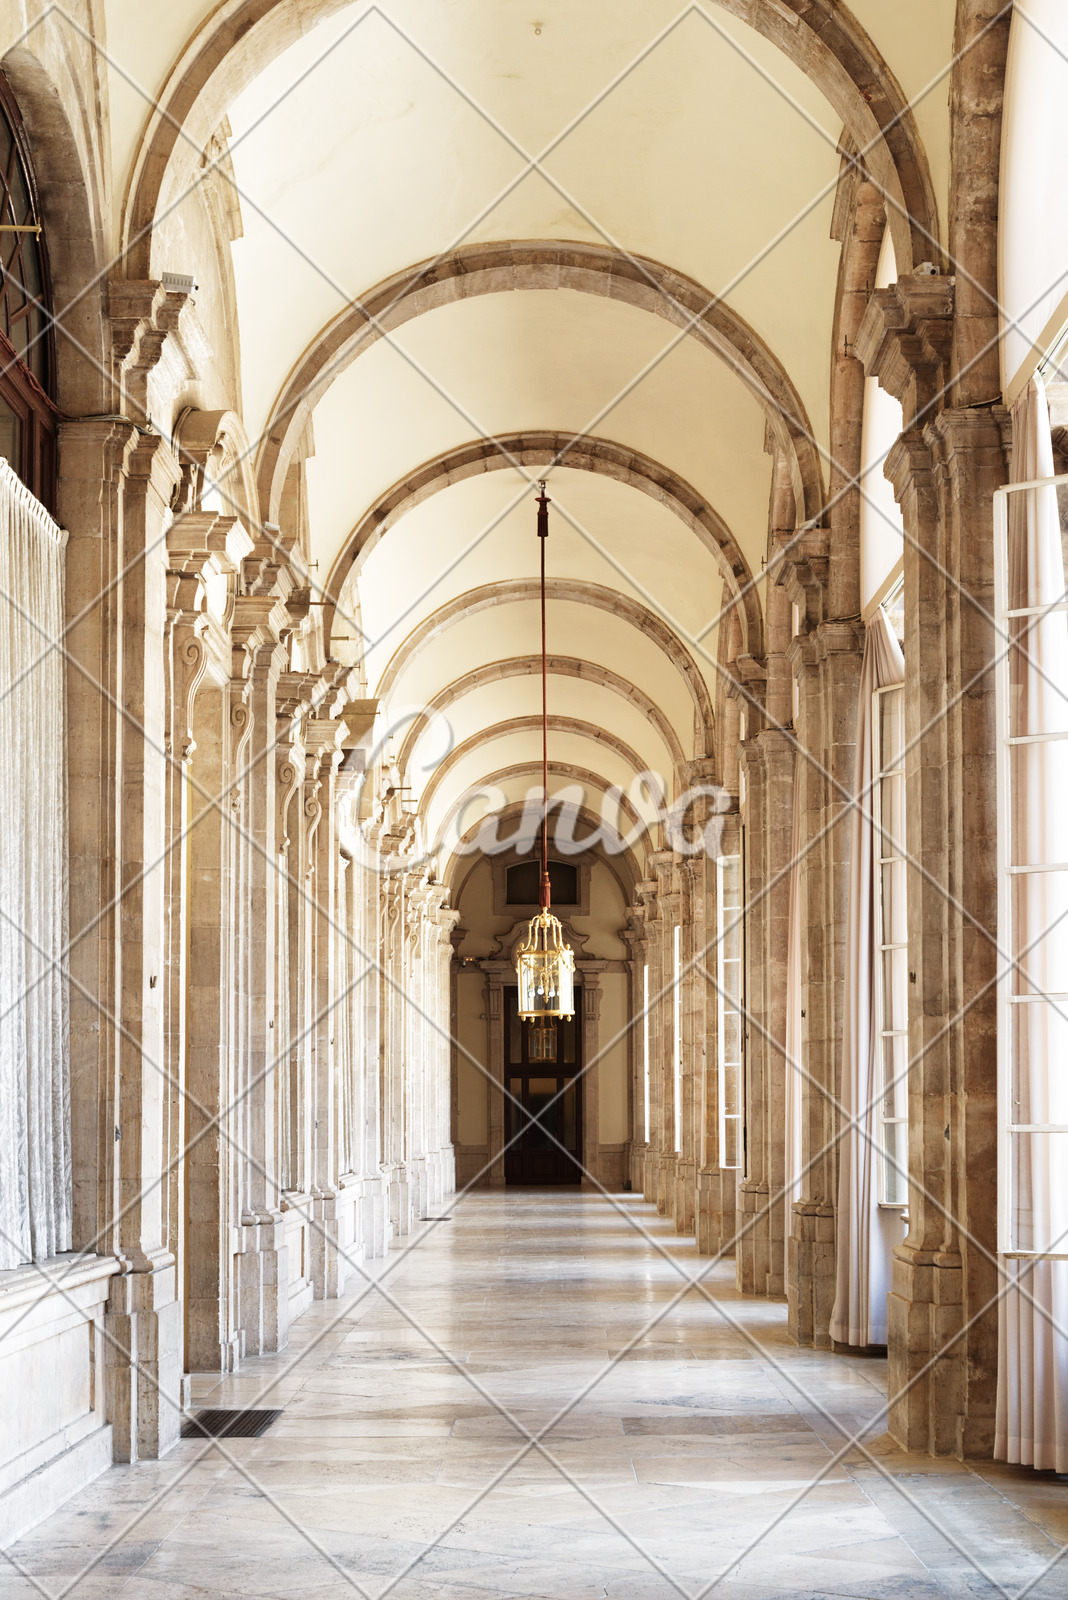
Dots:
{"x": 532, "y": 1404}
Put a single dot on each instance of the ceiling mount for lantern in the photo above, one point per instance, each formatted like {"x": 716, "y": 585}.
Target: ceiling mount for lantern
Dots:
{"x": 544, "y": 964}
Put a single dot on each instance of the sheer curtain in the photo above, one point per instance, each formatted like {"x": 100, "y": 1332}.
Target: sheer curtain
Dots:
{"x": 1032, "y": 1404}
{"x": 865, "y": 1233}
{"x": 35, "y": 1167}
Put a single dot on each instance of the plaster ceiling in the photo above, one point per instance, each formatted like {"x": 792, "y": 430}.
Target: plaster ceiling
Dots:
{"x": 532, "y": 360}
{"x": 385, "y": 136}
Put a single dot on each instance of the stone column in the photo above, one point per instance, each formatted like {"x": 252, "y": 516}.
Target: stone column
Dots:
{"x": 498, "y": 973}
{"x": 91, "y": 461}
{"x": 692, "y": 939}
{"x": 767, "y": 766}
{"x": 185, "y": 659}
{"x": 324, "y": 738}
{"x": 144, "y": 1366}
{"x": 589, "y": 973}
{"x": 375, "y": 1222}
{"x": 945, "y": 468}
{"x": 638, "y": 1144}
{"x": 716, "y": 1184}
{"x": 648, "y": 891}
{"x": 288, "y": 786}
{"x": 260, "y": 622}
{"x": 668, "y": 912}
{"x": 446, "y": 921}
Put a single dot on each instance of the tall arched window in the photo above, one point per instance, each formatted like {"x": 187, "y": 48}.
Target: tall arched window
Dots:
{"x": 27, "y": 344}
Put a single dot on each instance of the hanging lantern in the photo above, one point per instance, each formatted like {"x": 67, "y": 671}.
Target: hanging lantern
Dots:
{"x": 546, "y": 969}
{"x": 545, "y": 965}
{"x": 541, "y": 1043}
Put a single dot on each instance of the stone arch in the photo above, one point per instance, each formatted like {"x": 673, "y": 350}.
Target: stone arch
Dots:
{"x": 557, "y": 769}
{"x": 70, "y": 211}
{"x": 511, "y": 813}
{"x": 560, "y": 667}
{"x": 584, "y": 453}
{"x": 215, "y": 444}
{"x": 828, "y": 44}
{"x": 537, "y": 264}
{"x": 530, "y": 724}
{"x": 591, "y": 594}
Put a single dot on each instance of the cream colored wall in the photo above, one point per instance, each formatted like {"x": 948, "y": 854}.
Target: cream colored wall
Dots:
{"x": 1033, "y": 240}
{"x": 612, "y": 1066}
{"x": 882, "y": 539}
{"x": 472, "y": 1123}
{"x": 608, "y": 910}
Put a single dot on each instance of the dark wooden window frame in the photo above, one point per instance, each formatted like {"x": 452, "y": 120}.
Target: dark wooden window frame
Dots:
{"x": 30, "y": 395}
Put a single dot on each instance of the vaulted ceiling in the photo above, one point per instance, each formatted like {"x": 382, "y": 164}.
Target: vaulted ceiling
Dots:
{"x": 473, "y": 233}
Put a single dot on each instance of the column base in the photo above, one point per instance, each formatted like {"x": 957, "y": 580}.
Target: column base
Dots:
{"x": 811, "y": 1282}
{"x": 685, "y": 1195}
{"x": 374, "y": 1218}
{"x": 715, "y": 1212}
{"x": 262, "y": 1271}
{"x": 760, "y": 1246}
{"x": 143, "y": 1363}
{"x": 924, "y": 1312}
{"x": 326, "y": 1268}
{"x": 665, "y": 1184}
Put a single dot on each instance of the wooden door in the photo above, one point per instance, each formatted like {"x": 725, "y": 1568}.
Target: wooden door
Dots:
{"x": 543, "y": 1118}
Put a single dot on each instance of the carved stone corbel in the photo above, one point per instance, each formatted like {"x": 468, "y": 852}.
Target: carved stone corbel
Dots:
{"x": 905, "y": 340}
{"x": 799, "y": 563}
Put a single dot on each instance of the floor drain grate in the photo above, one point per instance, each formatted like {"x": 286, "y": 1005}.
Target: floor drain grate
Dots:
{"x": 228, "y": 1424}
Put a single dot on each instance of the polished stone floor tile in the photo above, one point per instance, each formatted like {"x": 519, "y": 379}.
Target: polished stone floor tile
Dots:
{"x": 541, "y": 1407}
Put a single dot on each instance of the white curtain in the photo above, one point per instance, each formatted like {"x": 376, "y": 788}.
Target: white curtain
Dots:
{"x": 794, "y": 1082}
{"x": 1032, "y": 1404}
{"x": 865, "y": 1234}
{"x": 35, "y": 1167}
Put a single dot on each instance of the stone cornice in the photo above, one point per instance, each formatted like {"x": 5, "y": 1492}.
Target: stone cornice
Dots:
{"x": 799, "y": 563}
{"x": 905, "y": 339}
{"x": 157, "y": 346}
{"x": 749, "y": 679}
{"x": 199, "y": 540}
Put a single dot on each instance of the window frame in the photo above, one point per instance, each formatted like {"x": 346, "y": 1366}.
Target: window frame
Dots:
{"x": 736, "y": 993}
{"x": 884, "y": 950}
{"x": 645, "y": 1046}
{"x": 31, "y": 400}
{"x": 676, "y": 1031}
{"x": 1007, "y": 870}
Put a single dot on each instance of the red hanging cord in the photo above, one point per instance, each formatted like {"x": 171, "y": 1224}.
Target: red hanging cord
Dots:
{"x": 543, "y": 534}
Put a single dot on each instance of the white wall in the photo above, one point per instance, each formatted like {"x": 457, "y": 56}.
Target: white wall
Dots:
{"x": 1033, "y": 243}
{"x": 881, "y": 528}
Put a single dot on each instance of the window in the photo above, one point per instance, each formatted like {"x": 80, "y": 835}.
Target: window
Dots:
{"x": 677, "y": 1034}
{"x": 730, "y": 1029}
{"x": 1031, "y": 611}
{"x": 891, "y": 936}
{"x": 645, "y": 1047}
{"x": 27, "y": 345}
{"x": 523, "y": 883}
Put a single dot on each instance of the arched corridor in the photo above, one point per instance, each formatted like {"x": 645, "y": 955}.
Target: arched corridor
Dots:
{"x": 533, "y": 743}
{"x": 534, "y": 1403}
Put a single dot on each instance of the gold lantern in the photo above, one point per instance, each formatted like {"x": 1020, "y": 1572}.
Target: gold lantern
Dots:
{"x": 545, "y": 965}
{"x": 546, "y": 969}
